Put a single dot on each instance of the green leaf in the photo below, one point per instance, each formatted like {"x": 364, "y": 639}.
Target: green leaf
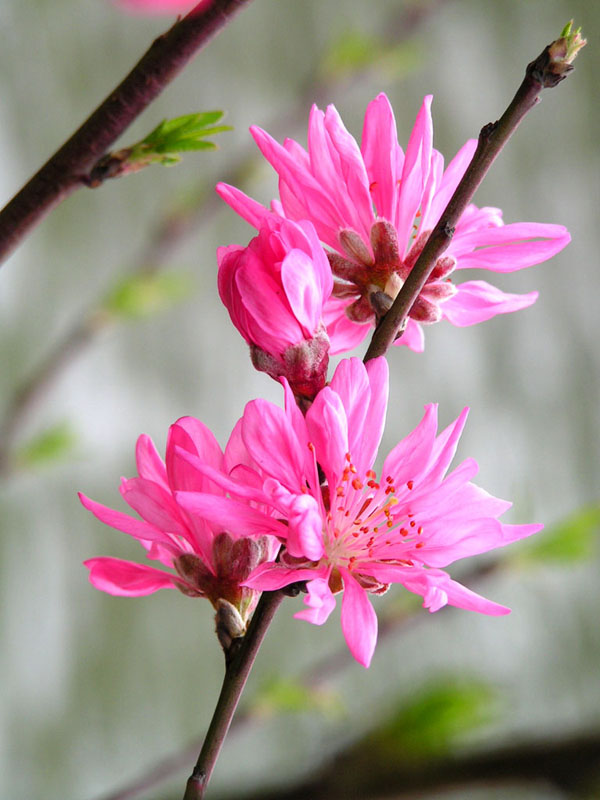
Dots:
{"x": 280, "y": 695}
{"x": 181, "y": 133}
{"x": 160, "y": 146}
{"x": 139, "y": 296}
{"x": 52, "y": 445}
{"x": 432, "y": 721}
{"x": 574, "y": 539}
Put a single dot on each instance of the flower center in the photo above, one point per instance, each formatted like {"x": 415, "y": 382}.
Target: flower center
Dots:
{"x": 368, "y": 522}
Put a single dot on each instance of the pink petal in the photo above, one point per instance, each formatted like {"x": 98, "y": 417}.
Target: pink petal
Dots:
{"x": 444, "y": 450}
{"x": 302, "y": 292}
{"x": 123, "y": 522}
{"x": 235, "y": 450}
{"x": 250, "y": 488}
{"x": 149, "y": 464}
{"x": 438, "y": 589}
{"x": 378, "y": 373}
{"x": 344, "y": 335}
{"x": 160, "y": 6}
{"x": 350, "y": 176}
{"x": 125, "y": 578}
{"x": 452, "y": 175}
{"x": 510, "y": 247}
{"x": 478, "y": 301}
{"x": 413, "y": 337}
{"x": 297, "y": 184}
{"x": 264, "y": 424}
{"x": 227, "y": 514}
{"x": 274, "y": 326}
{"x": 382, "y": 155}
{"x": 359, "y": 621}
{"x": 461, "y": 539}
{"x": 454, "y": 489}
{"x": 320, "y": 602}
{"x": 269, "y": 577}
{"x": 415, "y": 172}
{"x": 328, "y": 431}
{"x": 303, "y": 514}
{"x": 436, "y": 170}
{"x": 190, "y": 435}
{"x": 250, "y": 210}
{"x": 155, "y": 505}
{"x": 351, "y": 383}
{"x": 412, "y": 454}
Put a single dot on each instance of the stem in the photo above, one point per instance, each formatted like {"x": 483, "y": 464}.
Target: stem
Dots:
{"x": 540, "y": 73}
{"x": 236, "y": 675}
{"x": 66, "y": 170}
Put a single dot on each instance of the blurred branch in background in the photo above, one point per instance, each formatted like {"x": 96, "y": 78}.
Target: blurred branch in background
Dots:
{"x": 435, "y": 718}
{"x": 571, "y": 765}
{"x": 68, "y": 168}
{"x": 343, "y": 62}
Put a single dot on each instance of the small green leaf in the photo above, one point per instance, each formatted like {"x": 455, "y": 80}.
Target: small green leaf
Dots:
{"x": 574, "y": 539}
{"x": 286, "y": 696}
{"x": 431, "y": 722}
{"x": 50, "y": 446}
{"x": 160, "y": 146}
{"x": 181, "y": 133}
{"x": 138, "y": 296}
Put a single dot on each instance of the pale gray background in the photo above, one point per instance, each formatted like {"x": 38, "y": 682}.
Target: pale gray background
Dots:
{"x": 95, "y": 688}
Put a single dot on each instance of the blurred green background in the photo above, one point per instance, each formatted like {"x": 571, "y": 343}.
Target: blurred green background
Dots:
{"x": 97, "y": 690}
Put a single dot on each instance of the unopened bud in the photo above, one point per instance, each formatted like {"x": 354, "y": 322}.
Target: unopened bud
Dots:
{"x": 228, "y": 624}
{"x": 556, "y": 61}
{"x": 564, "y": 50}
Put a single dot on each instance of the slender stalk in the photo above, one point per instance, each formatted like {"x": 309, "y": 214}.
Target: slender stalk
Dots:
{"x": 544, "y": 72}
{"x": 236, "y": 675}
{"x": 66, "y": 170}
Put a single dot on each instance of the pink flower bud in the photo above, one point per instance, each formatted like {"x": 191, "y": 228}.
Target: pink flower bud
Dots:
{"x": 275, "y": 290}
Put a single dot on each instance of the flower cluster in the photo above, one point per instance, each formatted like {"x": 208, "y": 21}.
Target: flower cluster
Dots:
{"x": 374, "y": 206}
{"x": 294, "y": 499}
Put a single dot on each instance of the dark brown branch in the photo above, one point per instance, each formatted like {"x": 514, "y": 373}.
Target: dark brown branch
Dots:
{"x": 541, "y": 73}
{"x": 67, "y": 169}
{"x": 236, "y": 675}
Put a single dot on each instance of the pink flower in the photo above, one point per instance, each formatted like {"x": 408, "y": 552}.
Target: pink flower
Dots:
{"x": 160, "y": 6}
{"x": 204, "y": 559}
{"x": 374, "y": 206}
{"x": 349, "y": 531}
{"x": 275, "y": 290}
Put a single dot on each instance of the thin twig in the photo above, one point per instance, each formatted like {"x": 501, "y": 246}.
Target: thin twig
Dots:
{"x": 541, "y": 73}
{"x": 235, "y": 679}
{"x": 66, "y": 170}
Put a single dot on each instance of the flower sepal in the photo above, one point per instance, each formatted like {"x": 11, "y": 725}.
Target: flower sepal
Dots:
{"x": 303, "y": 365}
